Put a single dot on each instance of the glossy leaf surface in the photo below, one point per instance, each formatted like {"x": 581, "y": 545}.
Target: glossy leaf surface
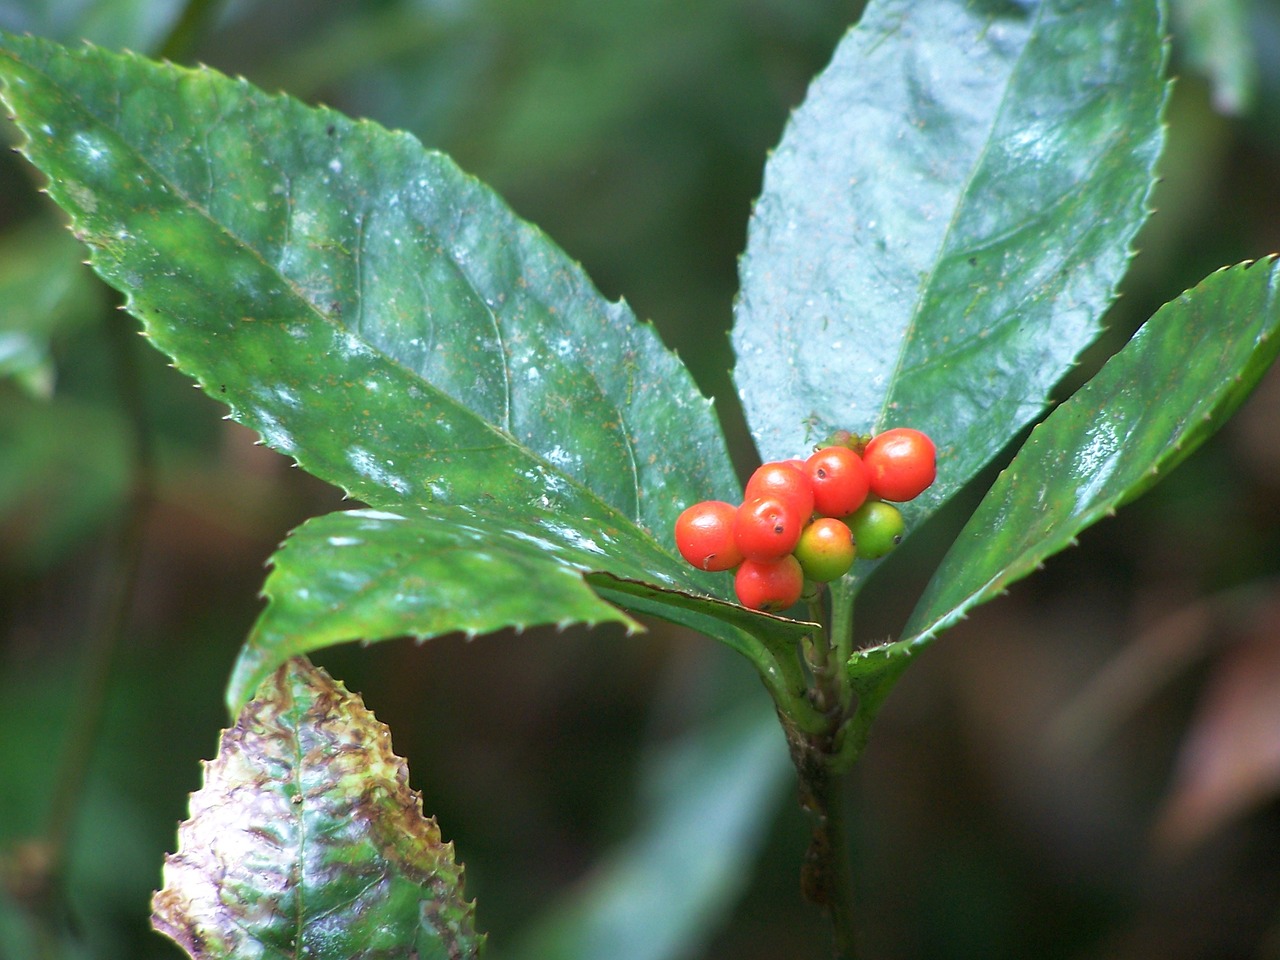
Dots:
{"x": 379, "y": 316}
{"x": 1152, "y": 405}
{"x": 945, "y": 222}
{"x": 306, "y": 841}
{"x": 367, "y": 574}
{"x": 359, "y": 301}
{"x": 373, "y": 575}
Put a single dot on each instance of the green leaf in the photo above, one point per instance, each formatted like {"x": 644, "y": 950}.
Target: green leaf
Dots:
{"x": 379, "y": 316}
{"x": 373, "y": 575}
{"x": 1188, "y": 369}
{"x": 945, "y": 222}
{"x": 364, "y": 305}
{"x": 306, "y": 841}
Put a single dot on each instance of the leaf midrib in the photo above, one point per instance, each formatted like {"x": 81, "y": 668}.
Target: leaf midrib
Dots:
{"x": 931, "y": 275}
{"x": 507, "y": 439}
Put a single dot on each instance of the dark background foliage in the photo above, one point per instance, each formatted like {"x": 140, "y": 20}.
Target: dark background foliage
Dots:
{"x": 1088, "y": 767}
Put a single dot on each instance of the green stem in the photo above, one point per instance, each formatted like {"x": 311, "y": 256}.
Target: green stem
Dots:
{"x": 871, "y": 697}
{"x": 814, "y": 652}
{"x": 784, "y": 680}
{"x": 842, "y": 638}
{"x": 827, "y": 876}
{"x": 775, "y": 661}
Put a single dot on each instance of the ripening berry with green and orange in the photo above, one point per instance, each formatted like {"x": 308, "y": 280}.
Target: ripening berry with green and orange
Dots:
{"x": 805, "y": 521}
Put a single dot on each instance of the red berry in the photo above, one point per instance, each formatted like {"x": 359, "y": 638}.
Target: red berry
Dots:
{"x": 839, "y": 481}
{"x": 767, "y": 528}
{"x": 901, "y": 463}
{"x": 782, "y": 479}
{"x": 769, "y": 585}
{"x": 704, "y": 535}
{"x": 825, "y": 550}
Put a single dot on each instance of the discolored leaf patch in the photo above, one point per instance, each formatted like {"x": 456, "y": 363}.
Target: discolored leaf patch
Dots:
{"x": 306, "y": 841}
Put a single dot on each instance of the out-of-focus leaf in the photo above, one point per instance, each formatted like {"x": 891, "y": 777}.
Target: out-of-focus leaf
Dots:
{"x": 107, "y": 870}
{"x": 381, "y": 317}
{"x": 306, "y": 841}
{"x": 1230, "y": 759}
{"x": 1151, "y": 406}
{"x": 22, "y": 939}
{"x": 945, "y": 221}
{"x": 1216, "y": 39}
{"x": 64, "y": 471}
{"x": 137, "y": 24}
{"x": 45, "y": 288}
{"x": 710, "y": 797}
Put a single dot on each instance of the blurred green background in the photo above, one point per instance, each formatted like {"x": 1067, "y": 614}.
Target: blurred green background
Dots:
{"x": 1088, "y": 768}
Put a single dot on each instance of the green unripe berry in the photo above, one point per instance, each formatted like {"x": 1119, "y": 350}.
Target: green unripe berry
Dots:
{"x": 825, "y": 550}
{"x": 876, "y": 527}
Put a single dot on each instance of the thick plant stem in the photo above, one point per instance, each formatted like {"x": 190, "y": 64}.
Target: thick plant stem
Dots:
{"x": 826, "y": 878}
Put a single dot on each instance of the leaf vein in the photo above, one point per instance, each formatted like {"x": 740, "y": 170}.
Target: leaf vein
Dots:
{"x": 929, "y": 276}
{"x": 182, "y": 193}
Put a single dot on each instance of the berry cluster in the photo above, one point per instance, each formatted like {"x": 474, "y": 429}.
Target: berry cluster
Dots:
{"x": 807, "y": 519}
